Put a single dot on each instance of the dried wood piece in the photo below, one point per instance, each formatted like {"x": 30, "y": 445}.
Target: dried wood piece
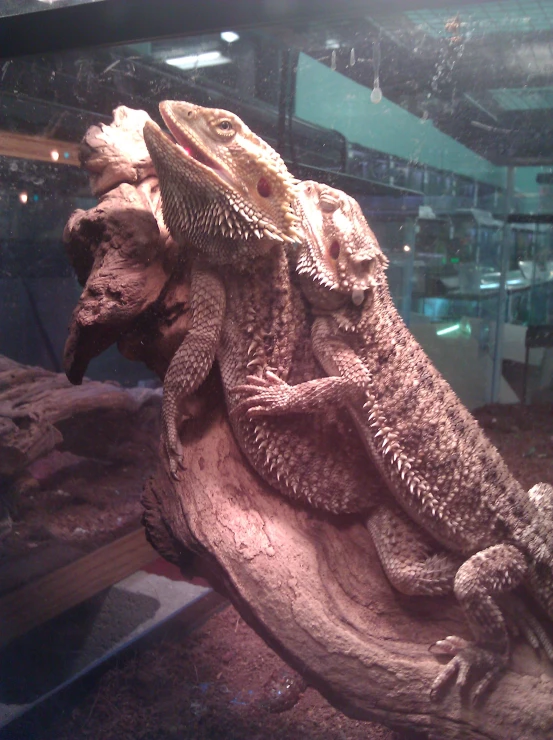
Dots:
{"x": 312, "y": 587}
{"x": 115, "y": 154}
{"x": 41, "y": 410}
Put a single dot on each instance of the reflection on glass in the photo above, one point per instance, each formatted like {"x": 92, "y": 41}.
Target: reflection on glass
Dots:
{"x": 423, "y": 112}
{"x": 18, "y": 7}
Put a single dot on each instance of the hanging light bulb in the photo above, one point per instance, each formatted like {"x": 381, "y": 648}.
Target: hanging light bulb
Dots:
{"x": 376, "y": 94}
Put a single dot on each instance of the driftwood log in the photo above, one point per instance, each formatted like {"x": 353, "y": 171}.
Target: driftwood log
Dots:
{"x": 41, "y": 412}
{"x": 309, "y": 584}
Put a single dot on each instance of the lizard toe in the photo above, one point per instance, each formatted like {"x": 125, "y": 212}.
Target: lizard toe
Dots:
{"x": 523, "y": 623}
{"x": 476, "y": 668}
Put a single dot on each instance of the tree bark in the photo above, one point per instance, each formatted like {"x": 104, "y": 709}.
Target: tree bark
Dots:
{"x": 309, "y": 584}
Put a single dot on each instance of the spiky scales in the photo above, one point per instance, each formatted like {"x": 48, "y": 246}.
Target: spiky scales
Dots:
{"x": 437, "y": 463}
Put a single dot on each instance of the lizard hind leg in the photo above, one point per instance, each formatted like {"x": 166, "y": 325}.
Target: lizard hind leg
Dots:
{"x": 413, "y": 564}
{"x": 487, "y": 574}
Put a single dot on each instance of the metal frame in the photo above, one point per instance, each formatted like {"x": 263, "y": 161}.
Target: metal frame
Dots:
{"x": 126, "y": 21}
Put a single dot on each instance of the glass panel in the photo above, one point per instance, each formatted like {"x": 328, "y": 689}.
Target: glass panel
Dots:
{"x": 440, "y": 105}
{"x": 438, "y": 121}
{"x": 18, "y": 7}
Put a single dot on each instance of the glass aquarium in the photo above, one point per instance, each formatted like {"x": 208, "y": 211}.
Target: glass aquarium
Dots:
{"x": 436, "y": 117}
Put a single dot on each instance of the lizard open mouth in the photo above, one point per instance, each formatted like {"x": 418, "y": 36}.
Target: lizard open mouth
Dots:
{"x": 191, "y": 145}
{"x": 188, "y": 146}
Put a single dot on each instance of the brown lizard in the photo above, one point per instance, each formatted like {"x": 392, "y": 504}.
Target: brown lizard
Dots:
{"x": 439, "y": 466}
{"x": 226, "y": 198}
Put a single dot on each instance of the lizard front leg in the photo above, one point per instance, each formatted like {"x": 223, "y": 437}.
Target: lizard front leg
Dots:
{"x": 347, "y": 383}
{"x": 272, "y": 395}
{"x": 194, "y": 358}
{"x": 479, "y": 581}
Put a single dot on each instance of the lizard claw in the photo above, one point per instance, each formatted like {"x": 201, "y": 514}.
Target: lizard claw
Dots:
{"x": 173, "y": 448}
{"x": 263, "y": 395}
{"x": 468, "y": 659}
{"x": 522, "y": 622}
{"x": 175, "y": 461}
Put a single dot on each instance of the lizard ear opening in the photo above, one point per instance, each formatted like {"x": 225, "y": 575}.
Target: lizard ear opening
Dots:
{"x": 334, "y": 250}
{"x": 264, "y": 188}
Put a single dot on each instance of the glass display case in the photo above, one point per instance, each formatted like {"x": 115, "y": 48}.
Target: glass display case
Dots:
{"x": 435, "y": 117}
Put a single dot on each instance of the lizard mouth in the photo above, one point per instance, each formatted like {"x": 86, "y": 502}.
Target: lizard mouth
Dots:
{"x": 187, "y": 145}
{"x": 190, "y": 146}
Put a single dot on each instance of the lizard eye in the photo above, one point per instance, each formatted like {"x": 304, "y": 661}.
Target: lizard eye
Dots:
{"x": 224, "y": 125}
{"x": 334, "y": 250}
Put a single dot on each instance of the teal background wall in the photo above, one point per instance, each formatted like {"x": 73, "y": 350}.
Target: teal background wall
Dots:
{"x": 532, "y": 197}
{"x": 329, "y": 99}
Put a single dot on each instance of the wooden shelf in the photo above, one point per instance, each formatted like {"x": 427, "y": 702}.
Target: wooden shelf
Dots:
{"x": 51, "y": 595}
{"x": 38, "y": 148}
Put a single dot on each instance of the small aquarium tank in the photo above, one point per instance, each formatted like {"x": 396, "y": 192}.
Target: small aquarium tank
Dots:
{"x": 436, "y": 118}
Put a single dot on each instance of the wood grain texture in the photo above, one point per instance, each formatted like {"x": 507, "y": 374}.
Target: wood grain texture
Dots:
{"x": 312, "y": 587}
{"x": 51, "y": 595}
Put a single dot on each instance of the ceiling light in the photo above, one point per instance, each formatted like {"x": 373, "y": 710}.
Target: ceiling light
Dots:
{"x": 448, "y": 330}
{"x": 206, "y": 59}
{"x": 229, "y": 36}
{"x": 23, "y": 197}
{"x": 55, "y": 155}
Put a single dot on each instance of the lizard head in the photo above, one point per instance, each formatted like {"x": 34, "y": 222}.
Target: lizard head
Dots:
{"x": 339, "y": 259}
{"x": 224, "y": 190}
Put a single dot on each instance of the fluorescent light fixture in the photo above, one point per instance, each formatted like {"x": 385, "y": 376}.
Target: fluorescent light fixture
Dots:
{"x": 448, "y": 330}
{"x": 193, "y": 61}
{"x": 229, "y": 36}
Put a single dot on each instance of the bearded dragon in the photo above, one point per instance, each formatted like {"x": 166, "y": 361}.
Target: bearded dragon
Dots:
{"x": 436, "y": 461}
{"x": 226, "y": 199}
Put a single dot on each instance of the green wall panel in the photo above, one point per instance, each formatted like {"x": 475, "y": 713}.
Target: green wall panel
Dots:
{"x": 329, "y": 99}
